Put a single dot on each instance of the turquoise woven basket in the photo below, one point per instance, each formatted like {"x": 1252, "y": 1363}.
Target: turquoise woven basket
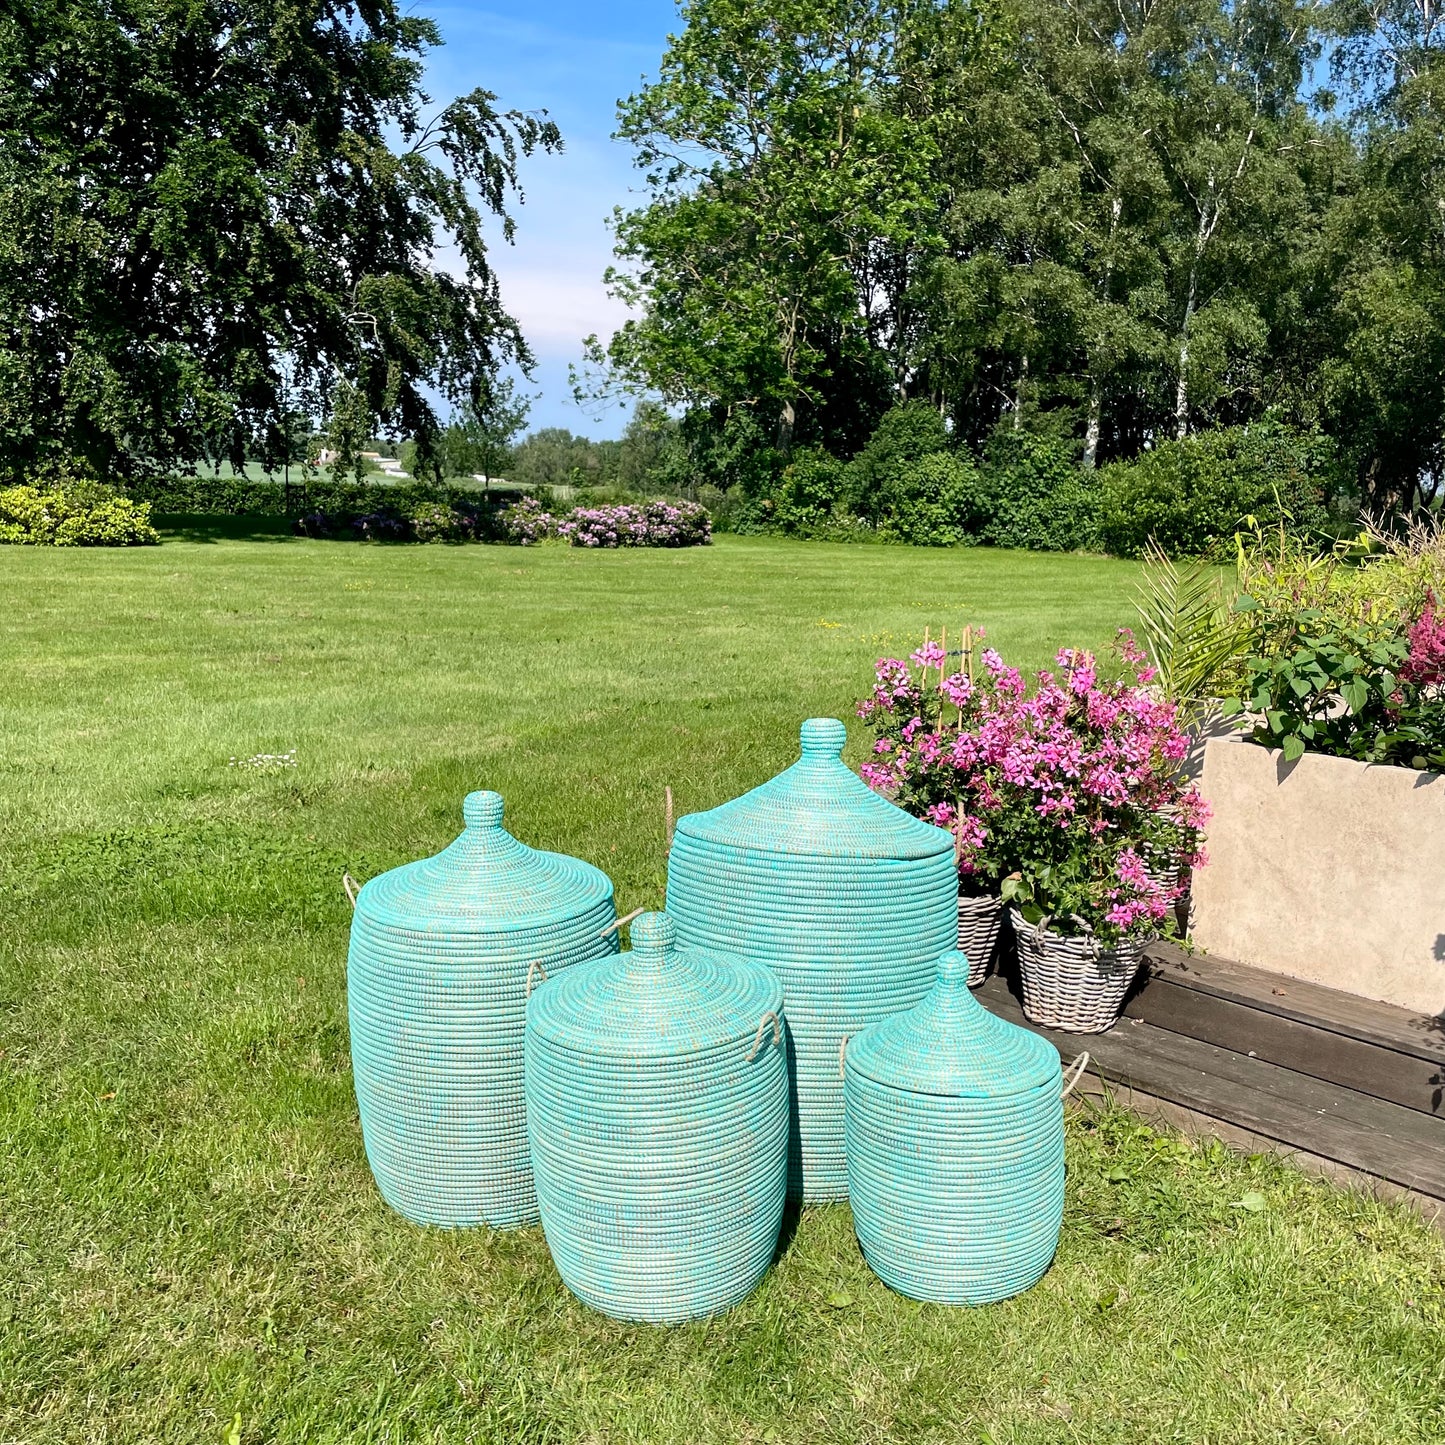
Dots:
{"x": 847, "y": 898}
{"x": 955, "y": 1137}
{"x": 443, "y": 953}
{"x": 657, "y": 1107}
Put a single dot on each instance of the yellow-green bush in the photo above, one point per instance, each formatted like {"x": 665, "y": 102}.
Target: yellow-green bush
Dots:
{"x": 73, "y": 514}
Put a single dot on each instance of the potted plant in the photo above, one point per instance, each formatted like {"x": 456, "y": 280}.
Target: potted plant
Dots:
{"x": 1057, "y": 798}
{"x": 932, "y": 753}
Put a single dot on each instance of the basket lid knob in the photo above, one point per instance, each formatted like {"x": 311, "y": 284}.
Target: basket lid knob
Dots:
{"x": 953, "y": 970}
{"x": 483, "y": 810}
{"x": 653, "y": 936}
{"x": 822, "y": 737}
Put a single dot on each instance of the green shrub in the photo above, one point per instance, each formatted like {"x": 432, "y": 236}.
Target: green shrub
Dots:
{"x": 903, "y": 437}
{"x": 1036, "y": 495}
{"x": 936, "y": 501}
{"x": 73, "y": 513}
{"x": 1193, "y": 496}
{"x": 236, "y": 496}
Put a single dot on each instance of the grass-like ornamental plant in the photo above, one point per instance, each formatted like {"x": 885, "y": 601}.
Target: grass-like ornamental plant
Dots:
{"x": 1058, "y": 797}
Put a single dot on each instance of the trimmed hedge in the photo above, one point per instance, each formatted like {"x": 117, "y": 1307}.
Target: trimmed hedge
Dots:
{"x": 238, "y": 496}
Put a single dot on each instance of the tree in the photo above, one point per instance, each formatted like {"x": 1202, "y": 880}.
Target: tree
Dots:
{"x": 479, "y": 441}
{"x": 221, "y": 212}
{"x": 781, "y": 169}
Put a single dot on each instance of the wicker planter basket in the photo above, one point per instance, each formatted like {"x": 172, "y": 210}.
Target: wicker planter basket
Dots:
{"x": 1073, "y": 984}
{"x": 980, "y": 919}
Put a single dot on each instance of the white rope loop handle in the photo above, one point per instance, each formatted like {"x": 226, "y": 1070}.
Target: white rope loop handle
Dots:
{"x": 842, "y": 1049}
{"x": 762, "y": 1028}
{"x": 1080, "y": 1064}
{"x": 534, "y": 968}
{"x": 618, "y": 922}
{"x": 348, "y": 883}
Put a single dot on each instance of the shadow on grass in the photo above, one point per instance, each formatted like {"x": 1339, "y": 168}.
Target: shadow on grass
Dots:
{"x": 199, "y": 527}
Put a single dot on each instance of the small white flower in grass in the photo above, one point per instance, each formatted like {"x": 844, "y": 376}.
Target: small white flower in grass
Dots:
{"x": 266, "y": 762}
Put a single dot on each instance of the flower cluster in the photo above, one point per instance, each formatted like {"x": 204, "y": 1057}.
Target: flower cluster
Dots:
{"x": 650, "y": 524}
{"x": 527, "y": 521}
{"x": 646, "y": 524}
{"x": 1425, "y": 666}
{"x": 1066, "y": 797}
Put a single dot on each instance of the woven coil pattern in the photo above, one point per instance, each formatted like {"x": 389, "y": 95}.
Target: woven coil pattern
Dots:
{"x": 847, "y": 899}
{"x": 657, "y": 1109}
{"x": 955, "y": 1136}
{"x": 442, "y": 954}
{"x": 1072, "y": 983}
{"x": 980, "y": 921}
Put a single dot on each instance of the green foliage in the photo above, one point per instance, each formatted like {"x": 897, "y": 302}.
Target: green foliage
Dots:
{"x": 935, "y": 501}
{"x": 237, "y": 496}
{"x": 71, "y": 513}
{"x": 217, "y": 217}
{"x": 904, "y": 435}
{"x": 1036, "y": 495}
{"x": 1339, "y": 691}
{"x": 1188, "y": 627}
{"x": 1192, "y": 497}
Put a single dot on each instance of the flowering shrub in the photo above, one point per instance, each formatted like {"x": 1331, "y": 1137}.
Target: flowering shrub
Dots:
{"x": 1059, "y": 798}
{"x": 527, "y": 521}
{"x": 650, "y": 524}
{"x": 645, "y": 524}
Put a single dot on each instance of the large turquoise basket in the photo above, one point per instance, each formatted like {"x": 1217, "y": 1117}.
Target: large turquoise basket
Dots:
{"x": 848, "y": 899}
{"x": 657, "y": 1105}
{"x": 443, "y": 954}
{"x": 955, "y": 1136}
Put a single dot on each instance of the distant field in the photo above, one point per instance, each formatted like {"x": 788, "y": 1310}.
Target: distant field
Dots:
{"x": 191, "y": 1247}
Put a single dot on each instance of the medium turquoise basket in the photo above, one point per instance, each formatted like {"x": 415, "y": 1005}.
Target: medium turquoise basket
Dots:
{"x": 443, "y": 953}
{"x": 657, "y": 1107}
{"x": 848, "y": 899}
{"x": 955, "y": 1139}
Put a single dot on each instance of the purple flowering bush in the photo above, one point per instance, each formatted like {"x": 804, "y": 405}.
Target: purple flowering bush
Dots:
{"x": 643, "y": 524}
{"x": 1058, "y": 796}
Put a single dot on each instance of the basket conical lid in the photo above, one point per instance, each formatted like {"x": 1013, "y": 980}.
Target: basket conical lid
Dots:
{"x": 657, "y": 1001}
{"x": 818, "y": 807}
{"x": 951, "y": 1045}
{"x": 484, "y": 882}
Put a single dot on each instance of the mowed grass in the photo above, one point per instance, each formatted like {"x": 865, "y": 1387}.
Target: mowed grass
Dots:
{"x": 191, "y": 1248}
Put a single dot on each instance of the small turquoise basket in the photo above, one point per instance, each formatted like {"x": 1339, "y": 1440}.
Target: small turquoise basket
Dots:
{"x": 955, "y": 1139}
{"x": 443, "y": 954}
{"x": 657, "y": 1107}
{"x": 848, "y": 899}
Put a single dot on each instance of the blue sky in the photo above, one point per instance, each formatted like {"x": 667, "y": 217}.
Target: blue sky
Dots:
{"x": 575, "y": 61}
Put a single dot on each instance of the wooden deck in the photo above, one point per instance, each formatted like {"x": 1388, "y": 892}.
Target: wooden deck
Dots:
{"x": 1298, "y": 1067}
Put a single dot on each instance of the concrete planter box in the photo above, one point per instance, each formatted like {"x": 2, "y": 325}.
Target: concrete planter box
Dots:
{"x": 1326, "y": 869}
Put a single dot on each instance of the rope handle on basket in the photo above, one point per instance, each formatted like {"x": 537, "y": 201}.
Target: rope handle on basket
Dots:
{"x": 533, "y": 968}
{"x": 1080, "y": 1064}
{"x": 842, "y": 1048}
{"x": 762, "y": 1028}
{"x": 348, "y": 883}
{"x": 618, "y": 922}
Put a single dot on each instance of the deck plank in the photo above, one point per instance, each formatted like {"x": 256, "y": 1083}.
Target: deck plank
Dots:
{"x": 1376, "y": 1136}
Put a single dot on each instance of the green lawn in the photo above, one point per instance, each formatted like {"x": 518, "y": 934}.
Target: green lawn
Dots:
{"x": 192, "y": 1246}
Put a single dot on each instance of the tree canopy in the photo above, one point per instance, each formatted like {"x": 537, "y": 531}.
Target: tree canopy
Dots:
{"x": 1113, "y": 222}
{"x": 220, "y": 213}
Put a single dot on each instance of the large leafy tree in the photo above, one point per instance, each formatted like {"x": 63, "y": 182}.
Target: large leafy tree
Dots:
{"x": 220, "y": 212}
{"x": 787, "y": 146}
